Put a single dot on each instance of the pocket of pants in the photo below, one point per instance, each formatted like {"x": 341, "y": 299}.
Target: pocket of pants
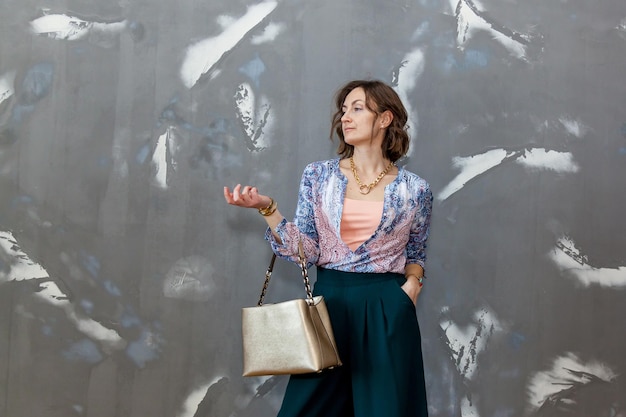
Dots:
{"x": 402, "y": 294}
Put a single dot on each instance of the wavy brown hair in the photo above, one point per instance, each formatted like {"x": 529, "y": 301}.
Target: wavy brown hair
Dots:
{"x": 379, "y": 98}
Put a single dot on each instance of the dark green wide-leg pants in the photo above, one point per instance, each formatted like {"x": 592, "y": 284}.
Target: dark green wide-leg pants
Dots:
{"x": 379, "y": 343}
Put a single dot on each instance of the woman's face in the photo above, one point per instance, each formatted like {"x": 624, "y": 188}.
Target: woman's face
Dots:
{"x": 358, "y": 122}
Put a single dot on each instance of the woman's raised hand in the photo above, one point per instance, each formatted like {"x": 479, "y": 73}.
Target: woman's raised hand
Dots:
{"x": 247, "y": 197}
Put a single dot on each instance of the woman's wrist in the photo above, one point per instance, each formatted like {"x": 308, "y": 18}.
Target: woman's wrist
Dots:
{"x": 270, "y": 209}
{"x": 420, "y": 279}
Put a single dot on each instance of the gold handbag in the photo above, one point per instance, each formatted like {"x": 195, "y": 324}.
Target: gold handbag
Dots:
{"x": 292, "y": 337}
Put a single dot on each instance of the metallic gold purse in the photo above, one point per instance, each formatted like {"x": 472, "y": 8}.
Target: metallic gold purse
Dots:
{"x": 292, "y": 337}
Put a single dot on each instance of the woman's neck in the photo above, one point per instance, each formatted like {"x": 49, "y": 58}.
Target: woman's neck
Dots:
{"x": 370, "y": 162}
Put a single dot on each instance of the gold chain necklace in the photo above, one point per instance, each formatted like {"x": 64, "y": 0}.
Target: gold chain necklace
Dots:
{"x": 366, "y": 188}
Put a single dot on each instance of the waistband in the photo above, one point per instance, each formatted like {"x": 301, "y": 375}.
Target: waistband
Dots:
{"x": 343, "y": 278}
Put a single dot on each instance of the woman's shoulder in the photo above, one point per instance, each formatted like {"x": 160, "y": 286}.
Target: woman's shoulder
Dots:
{"x": 412, "y": 179}
{"x": 326, "y": 163}
{"x": 320, "y": 167}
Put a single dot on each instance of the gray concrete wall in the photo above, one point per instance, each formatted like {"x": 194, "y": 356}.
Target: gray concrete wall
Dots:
{"x": 123, "y": 271}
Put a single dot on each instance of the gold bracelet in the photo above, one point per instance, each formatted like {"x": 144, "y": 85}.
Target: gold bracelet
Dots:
{"x": 269, "y": 210}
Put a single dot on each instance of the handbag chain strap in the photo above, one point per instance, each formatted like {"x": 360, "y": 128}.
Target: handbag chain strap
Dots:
{"x": 303, "y": 269}
{"x": 305, "y": 274}
{"x": 268, "y": 275}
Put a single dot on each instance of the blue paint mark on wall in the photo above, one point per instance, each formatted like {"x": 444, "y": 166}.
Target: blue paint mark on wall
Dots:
{"x": 143, "y": 153}
{"x": 516, "y": 340}
{"x": 470, "y": 60}
{"x": 84, "y": 350}
{"x": 129, "y": 318}
{"x": 47, "y": 330}
{"x": 37, "y": 83}
{"x": 144, "y": 349}
{"x": 112, "y": 288}
{"x": 254, "y": 69}
{"x": 475, "y": 59}
{"x": 91, "y": 264}
{"x": 87, "y": 306}
{"x": 22, "y": 199}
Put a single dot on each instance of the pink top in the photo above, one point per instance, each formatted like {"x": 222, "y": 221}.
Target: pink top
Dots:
{"x": 359, "y": 221}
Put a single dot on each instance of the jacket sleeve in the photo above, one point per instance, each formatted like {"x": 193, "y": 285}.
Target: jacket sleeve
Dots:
{"x": 420, "y": 227}
{"x": 303, "y": 226}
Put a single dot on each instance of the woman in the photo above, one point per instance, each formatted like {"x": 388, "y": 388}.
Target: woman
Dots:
{"x": 364, "y": 222}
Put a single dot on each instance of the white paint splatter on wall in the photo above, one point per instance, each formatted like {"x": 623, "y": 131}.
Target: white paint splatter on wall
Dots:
{"x": 202, "y": 56}
{"x": 470, "y": 20}
{"x": 6, "y": 85}
{"x": 467, "y": 342}
{"x": 410, "y": 71}
{"x": 621, "y": 28}
{"x": 544, "y": 159}
{"x": 164, "y": 157}
{"x": 532, "y": 159}
{"x": 195, "y": 397}
{"x": 569, "y": 260}
{"x": 468, "y": 408}
{"x": 23, "y": 268}
{"x": 566, "y": 372}
{"x": 159, "y": 160}
{"x": 254, "y": 115}
{"x": 471, "y": 167}
{"x": 574, "y": 127}
{"x": 190, "y": 278}
{"x": 270, "y": 33}
{"x": 71, "y": 28}
{"x": 571, "y": 126}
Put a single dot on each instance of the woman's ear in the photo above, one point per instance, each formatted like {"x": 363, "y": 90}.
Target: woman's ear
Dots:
{"x": 386, "y": 118}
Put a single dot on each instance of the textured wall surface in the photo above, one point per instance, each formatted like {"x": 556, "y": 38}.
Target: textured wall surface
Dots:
{"x": 123, "y": 271}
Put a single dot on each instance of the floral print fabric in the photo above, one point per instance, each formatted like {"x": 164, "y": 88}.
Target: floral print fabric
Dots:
{"x": 400, "y": 238}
